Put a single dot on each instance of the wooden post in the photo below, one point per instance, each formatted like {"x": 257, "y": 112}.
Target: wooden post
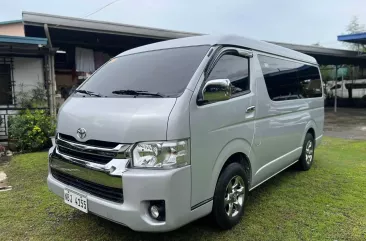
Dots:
{"x": 335, "y": 90}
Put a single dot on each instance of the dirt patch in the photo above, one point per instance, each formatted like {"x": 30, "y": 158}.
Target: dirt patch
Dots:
{"x": 346, "y": 123}
{"x": 4, "y": 185}
{"x": 3, "y": 182}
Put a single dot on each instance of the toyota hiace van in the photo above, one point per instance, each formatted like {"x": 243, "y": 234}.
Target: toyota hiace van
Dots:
{"x": 169, "y": 132}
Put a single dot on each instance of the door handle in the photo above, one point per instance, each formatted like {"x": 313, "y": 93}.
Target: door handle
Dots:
{"x": 250, "y": 109}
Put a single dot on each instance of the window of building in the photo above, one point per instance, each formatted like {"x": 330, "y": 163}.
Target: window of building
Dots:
{"x": 356, "y": 86}
{"x": 288, "y": 80}
{"x": 338, "y": 87}
{"x": 234, "y": 68}
{"x": 5, "y": 85}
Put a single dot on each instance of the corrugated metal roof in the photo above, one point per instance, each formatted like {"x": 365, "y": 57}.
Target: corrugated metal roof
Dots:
{"x": 55, "y": 21}
{"x": 22, "y": 40}
{"x": 86, "y": 25}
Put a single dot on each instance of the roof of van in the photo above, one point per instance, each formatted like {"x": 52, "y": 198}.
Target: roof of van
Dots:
{"x": 224, "y": 40}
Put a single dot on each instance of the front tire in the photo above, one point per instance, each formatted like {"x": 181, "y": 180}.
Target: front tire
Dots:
{"x": 230, "y": 196}
{"x": 307, "y": 156}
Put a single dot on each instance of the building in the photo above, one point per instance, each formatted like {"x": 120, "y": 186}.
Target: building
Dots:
{"x": 22, "y": 67}
{"x": 76, "y": 47}
{"x": 12, "y": 28}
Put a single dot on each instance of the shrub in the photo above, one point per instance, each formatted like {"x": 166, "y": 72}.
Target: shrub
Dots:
{"x": 34, "y": 98}
{"x": 30, "y": 131}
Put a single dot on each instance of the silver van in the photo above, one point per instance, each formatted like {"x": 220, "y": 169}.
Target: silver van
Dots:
{"x": 170, "y": 132}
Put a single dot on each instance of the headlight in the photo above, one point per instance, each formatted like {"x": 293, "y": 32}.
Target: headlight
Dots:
{"x": 164, "y": 154}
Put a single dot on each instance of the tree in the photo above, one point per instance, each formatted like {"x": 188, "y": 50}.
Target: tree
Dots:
{"x": 352, "y": 28}
{"x": 327, "y": 72}
{"x": 355, "y": 27}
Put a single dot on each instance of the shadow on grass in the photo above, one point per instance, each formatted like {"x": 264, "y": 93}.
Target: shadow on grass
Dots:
{"x": 203, "y": 228}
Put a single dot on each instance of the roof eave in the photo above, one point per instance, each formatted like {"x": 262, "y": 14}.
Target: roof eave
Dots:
{"x": 23, "y": 40}
{"x": 11, "y": 22}
{"x": 353, "y": 38}
{"x": 54, "y": 21}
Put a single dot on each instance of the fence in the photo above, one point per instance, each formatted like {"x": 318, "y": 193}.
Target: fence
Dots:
{"x": 4, "y": 121}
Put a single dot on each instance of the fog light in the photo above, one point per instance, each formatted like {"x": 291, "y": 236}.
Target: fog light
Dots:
{"x": 154, "y": 211}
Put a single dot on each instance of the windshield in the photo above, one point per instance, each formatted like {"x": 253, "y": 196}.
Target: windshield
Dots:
{"x": 160, "y": 73}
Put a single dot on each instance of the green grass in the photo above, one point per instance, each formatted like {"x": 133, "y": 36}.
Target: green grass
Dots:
{"x": 326, "y": 203}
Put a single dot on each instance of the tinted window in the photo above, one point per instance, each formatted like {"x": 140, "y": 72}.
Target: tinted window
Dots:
{"x": 234, "y": 68}
{"x": 280, "y": 77}
{"x": 288, "y": 80}
{"x": 166, "y": 72}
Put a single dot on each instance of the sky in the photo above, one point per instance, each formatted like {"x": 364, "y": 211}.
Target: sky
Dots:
{"x": 290, "y": 21}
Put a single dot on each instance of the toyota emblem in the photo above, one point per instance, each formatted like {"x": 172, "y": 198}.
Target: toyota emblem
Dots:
{"x": 81, "y": 132}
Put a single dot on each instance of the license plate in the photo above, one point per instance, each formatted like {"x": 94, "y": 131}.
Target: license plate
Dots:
{"x": 76, "y": 200}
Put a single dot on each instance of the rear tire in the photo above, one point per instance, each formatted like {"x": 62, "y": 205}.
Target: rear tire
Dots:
{"x": 307, "y": 156}
{"x": 230, "y": 196}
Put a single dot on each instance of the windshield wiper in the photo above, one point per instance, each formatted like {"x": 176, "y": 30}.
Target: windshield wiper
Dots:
{"x": 137, "y": 93}
{"x": 91, "y": 93}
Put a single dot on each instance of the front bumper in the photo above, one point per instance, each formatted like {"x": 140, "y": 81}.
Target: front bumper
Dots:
{"x": 140, "y": 186}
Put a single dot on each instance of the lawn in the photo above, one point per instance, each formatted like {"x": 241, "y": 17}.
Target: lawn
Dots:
{"x": 326, "y": 203}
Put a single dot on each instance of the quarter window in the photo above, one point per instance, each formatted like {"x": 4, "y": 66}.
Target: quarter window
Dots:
{"x": 234, "y": 68}
{"x": 309, "y": 81}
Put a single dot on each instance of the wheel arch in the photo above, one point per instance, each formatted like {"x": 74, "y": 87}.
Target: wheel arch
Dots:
{"x": 236, "y": 151}
{"x": 310, "y": 127}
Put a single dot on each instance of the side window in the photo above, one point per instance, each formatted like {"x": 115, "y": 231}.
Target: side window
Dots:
{"x": 338, "y": 87}
{"x": 280, "y": 77}
{"x": 234, "y": 68}
{"x": 309, "y": 81}
{"x": 288, "y": 80}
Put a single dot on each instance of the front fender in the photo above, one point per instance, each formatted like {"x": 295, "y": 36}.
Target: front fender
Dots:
{"x": 234, "y": 146}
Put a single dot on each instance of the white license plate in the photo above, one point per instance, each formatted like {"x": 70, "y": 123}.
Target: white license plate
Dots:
{"x": 76, "y": 200}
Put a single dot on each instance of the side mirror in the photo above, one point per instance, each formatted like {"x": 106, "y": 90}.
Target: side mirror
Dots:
{"x": 216, "y": 90}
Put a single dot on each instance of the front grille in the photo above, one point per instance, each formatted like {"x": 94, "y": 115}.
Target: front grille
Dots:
{"x": 105, "y": 144}
{"x": 95, "y": 151}
{"x": 108, "y": 193}
{"x": 85, "y": 156}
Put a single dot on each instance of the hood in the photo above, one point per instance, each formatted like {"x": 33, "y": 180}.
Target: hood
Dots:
{"x": 122, "y": 120}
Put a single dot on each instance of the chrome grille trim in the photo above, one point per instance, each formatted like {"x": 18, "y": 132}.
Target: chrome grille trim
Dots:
{"x": 86, "y": 153}
{"x": 92, "y": 148}
{"x": 90, "y": 165}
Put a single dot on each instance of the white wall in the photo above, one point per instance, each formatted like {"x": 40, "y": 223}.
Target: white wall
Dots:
{"x": 12, "y": 29}
{"x": 27, "y": 71}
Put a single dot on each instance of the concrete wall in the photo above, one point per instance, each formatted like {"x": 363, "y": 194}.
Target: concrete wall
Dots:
{"x": 12, "y": 29}
{"x": 27, "y": 72}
